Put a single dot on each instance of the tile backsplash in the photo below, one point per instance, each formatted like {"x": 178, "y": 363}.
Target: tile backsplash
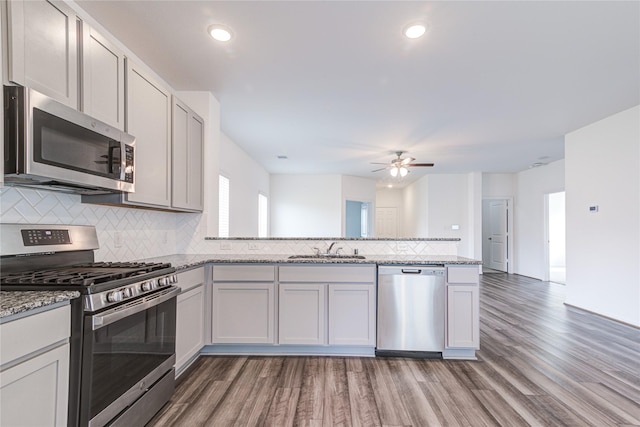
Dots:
{"x": 143, "y": 233}
{"x": 127, "y": 234}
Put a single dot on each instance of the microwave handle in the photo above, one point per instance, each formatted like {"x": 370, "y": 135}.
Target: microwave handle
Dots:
{"x": 117, "y": 167}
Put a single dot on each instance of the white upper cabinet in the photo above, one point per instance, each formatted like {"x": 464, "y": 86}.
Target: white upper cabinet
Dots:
{"x": 149, "y": 120}
{"x": 43, "y": 48}
{"x": 187, "y": 153}
{"x": 102, "y": 78}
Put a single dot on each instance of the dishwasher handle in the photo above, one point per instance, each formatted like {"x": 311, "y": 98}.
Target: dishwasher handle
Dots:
{"x": 411, "y": 271}
{"x": 418, "y": 270}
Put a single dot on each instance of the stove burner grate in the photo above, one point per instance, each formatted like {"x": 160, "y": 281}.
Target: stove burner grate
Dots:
{"x": 83, "y": 275}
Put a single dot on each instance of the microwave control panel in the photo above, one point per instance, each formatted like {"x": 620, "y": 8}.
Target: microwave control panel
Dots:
{"x": 128, "y": 165}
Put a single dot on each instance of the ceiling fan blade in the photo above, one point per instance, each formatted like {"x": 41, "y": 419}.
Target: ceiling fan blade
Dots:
{"x": 420, "y": 164}
{"x": 407, "y": 160}
{"x": 377, "y": 163}
{"x": 378, "y": 170}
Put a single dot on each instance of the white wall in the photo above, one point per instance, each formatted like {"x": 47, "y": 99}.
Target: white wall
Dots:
{"x": 449, "y": 205}
{"x": 432, "y": 205}
{"x": 474, "y": 216}
{"x": 416, "y": 213}
{"x": 529, "y": 216}
{"x": 247, "y": 178}
{"x": 306, "y": 205}
{"x": 603, "y": 248}
{"x": 498, "y": 185}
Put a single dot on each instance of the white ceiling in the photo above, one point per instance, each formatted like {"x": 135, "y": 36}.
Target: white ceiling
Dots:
{"x": 333, "y": 85}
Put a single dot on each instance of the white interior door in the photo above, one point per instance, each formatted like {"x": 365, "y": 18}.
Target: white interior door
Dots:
{"x": 498, "y": 234}
{"x": 386, "y": 222}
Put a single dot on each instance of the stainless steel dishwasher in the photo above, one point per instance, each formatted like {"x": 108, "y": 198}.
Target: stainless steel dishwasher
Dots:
{"x": 411, "y": 310}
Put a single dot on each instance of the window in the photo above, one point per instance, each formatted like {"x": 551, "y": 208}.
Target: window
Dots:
{"x": 262, "y": 215}
{"x": 223, "y": 206}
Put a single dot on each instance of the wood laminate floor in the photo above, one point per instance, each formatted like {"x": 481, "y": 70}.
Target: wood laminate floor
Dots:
{"x": 540, "y": 364}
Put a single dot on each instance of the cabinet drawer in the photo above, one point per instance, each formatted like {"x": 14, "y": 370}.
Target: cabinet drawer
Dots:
{"x": 244, "y": 273}
{"x": 28, "y": 334}
{"x": 191, "y": 278}
{"x": 462, "y": 274}
{"x": 328, "y": 274}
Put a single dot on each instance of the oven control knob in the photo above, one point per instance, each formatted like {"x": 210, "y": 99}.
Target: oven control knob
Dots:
{"x": 164, "y": 281}
{"x": 174, "y": 278}
{"x": 115, "y": 296}
{"x": 127, "y": 292}
{"x": 146, "y": 286}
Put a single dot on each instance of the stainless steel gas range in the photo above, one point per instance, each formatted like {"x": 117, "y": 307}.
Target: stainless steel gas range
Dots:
{"x": 123, "y": 325}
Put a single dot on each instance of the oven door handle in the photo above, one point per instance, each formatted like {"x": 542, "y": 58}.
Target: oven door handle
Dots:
{"x": 110, "y": 316}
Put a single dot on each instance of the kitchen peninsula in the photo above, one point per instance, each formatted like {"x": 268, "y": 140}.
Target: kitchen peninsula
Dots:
{"x": 295, "y": 303}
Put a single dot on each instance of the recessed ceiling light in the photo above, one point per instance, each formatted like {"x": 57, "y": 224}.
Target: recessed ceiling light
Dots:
{"x": 414, "y": 31}
{"x": 282, "y": 157}
{"x": 220, "y": 33}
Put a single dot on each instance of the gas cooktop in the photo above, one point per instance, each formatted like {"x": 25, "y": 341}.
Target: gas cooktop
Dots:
{"x": 84, "y": 275}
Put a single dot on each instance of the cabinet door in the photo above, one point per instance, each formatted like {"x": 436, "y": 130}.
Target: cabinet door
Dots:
{"x": 463, "y": 324}
{"x": 188, "y": 138}
{"x": 189, "y": 325}
{"x": 43, "y": 48}
{"x": 35, "y": 392}
{"x": 301, "y": 309}
{"x": 102, "y": 78}
{"x": 352, "y": 315}
{"x": 148, "y": 119}
{"x": 243, "y": 313}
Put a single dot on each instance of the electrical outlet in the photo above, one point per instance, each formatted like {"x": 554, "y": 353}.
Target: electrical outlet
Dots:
{"x": 254, "y": 246}
{"x": 165, "y": 237}
{"x": 117, "y": 239}
{"x": 225, "y": 246}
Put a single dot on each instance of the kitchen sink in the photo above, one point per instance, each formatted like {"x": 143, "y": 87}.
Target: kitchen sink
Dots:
{"x": 331, "y": 256}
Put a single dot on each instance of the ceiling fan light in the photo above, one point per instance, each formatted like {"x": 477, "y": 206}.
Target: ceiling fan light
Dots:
{"x": 403, "y": 171}
{"x": 394, "y": 171}
{"x": 414, "y": 31}
{"x": 220, "y": 33}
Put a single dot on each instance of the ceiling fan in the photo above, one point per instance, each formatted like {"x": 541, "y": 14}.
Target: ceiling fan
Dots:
{"x": 400, "y": 166}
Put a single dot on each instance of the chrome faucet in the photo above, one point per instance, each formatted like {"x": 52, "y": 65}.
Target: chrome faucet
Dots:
{"x": 331, "y": 247}
{"x": 328, "y": 252}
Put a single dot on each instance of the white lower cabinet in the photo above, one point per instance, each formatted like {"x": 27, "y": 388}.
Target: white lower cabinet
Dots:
{"x": 301, "y": 314}
{"x": 34, "y": 370}
{"x": 352, "y": 314}
{"x": 462, "y": 317}
{"x": 331, "y": 305}
{"x": 190, "y": 317}
{"x": 463, "y": 307}
{"x": 243, "y": 304}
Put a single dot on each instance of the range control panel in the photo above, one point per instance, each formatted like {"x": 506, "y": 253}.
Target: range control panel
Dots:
{"x": 40, "y": 237}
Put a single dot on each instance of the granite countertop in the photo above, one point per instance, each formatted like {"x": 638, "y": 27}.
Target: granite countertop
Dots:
{"x": 182, "y": 262}
{"x": 16, "y": 302}
{"x": 342, "y": 239}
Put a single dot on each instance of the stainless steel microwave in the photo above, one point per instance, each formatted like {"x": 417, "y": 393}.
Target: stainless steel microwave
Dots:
{"x": 50, "y": 145}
